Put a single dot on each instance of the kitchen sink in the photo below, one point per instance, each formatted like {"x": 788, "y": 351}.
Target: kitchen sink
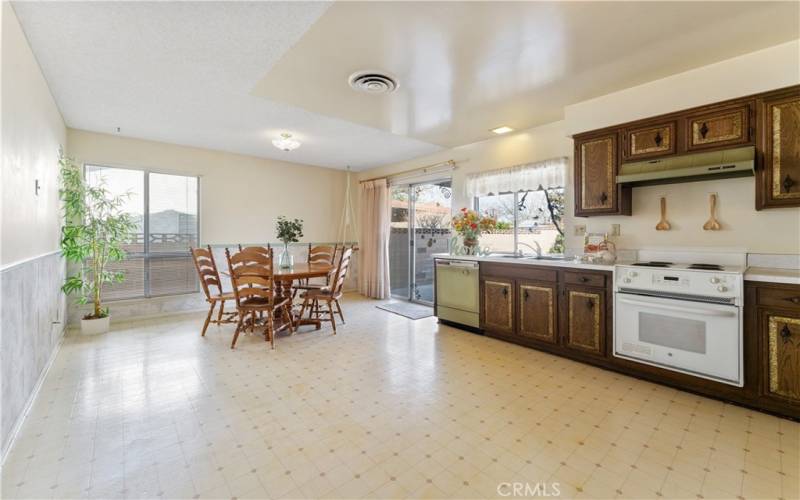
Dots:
{"x": 549, "y": 257}
{"x": 530, "y": 257}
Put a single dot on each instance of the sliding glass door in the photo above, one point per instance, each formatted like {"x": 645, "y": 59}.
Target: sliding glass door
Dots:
{"x": 420, "y": 228}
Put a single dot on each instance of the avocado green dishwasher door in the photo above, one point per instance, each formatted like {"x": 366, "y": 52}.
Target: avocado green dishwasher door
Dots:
{"x": 457, "y": 291}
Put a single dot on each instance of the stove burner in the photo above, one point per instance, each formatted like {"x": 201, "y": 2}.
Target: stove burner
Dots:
{"x": 653, "y": 264}
{"x": 706, "y": 267}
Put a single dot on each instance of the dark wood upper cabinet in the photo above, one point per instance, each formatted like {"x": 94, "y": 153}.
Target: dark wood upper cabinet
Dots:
{"x": 585, "y": 320}
{"x": 596, "y": 190}
{"x": 781, "y": 340}
{"x": 778, "y": 182}
{"x": 498, "y": 305}
{"x": 537, "y": 311}
{"x": 717, "y": 127}
{"x": 649, "y": 141}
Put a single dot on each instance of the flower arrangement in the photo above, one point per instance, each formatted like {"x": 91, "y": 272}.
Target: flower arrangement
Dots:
{"x": 469, "y": 224}
{"x": 289, "y": 231}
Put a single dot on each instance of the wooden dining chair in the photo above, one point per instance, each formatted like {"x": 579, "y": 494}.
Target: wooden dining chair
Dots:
{"x": 329, "y": 295}
{"x": 320, "y": 254}
{"x": 212, "y": 287}
{"x": 254, "y": 291}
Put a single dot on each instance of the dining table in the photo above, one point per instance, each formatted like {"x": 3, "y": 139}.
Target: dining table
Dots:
{"x": 285, "y": 276}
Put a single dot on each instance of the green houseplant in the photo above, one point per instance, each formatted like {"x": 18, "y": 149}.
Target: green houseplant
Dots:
{"x": 289, "y": 231}
{"x": 95, "y": 228}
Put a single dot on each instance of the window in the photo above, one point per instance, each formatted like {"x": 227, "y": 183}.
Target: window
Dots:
{"x": 526, "y": 220}
{"x": 166, "y": 210}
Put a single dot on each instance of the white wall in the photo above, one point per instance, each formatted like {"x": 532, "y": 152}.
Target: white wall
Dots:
{"x": 768, "y": 231}
{"x": 32, "y": 132}
{"x": 240, "y": 196}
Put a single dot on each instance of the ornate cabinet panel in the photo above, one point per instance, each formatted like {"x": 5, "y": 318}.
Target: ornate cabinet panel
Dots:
{"x": 648, "y": 141}
{"x": 779, "y": 182}
{"x": 781, "y": 342}
{"x": 498, "y": 305}
{"x": 596, "y": 190}
{"x": 720, "y": 127}
{"x": 537, "y": 311}
{"x": 585, "y": 320}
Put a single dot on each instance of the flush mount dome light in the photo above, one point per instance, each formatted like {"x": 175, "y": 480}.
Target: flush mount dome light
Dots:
{"x": 286, "y": 142}
{"x": 373, "y": 82}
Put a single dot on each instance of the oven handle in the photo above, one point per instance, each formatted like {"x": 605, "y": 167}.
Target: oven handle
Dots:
{"x": 707, "y": 312}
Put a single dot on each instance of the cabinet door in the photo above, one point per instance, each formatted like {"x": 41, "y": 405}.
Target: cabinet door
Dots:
{"x": 782, "y": 355}
{"x": 595, "y": 175}
{"x": 727, "y": 126}
{"x": 585, "y": 320}
{"x": 498, "y": 305}
{"x": 537, "y": 311}
{"x": 781, "y": 137}
{"x": 649, "y": 141}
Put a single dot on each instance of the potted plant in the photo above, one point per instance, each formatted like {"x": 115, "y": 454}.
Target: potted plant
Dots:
{"x": 289, "y": 231}
{"x": 95, "y": 229}
{"x": 469, "y": 225}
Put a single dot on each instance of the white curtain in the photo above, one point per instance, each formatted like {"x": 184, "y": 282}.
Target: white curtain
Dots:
{"x": 374, "y": 242}
{"x": 545, "y": 174}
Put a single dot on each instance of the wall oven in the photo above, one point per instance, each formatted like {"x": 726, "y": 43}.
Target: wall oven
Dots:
{"x": 685, "y": 321}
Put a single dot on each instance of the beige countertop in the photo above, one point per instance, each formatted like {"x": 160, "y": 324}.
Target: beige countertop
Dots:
{"x": 773, "y": 275}
{"x": 569, "y": 263}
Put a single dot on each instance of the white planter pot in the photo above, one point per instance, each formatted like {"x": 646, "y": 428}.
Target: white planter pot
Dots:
{"x": 95, "y": 326}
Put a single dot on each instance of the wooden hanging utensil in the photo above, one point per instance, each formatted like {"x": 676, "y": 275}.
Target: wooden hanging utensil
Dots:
{"x": 663, "y": 225}
{"x": 712, "y": 224}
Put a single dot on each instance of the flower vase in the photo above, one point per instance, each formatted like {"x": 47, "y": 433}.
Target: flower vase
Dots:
{"x": 470, "y": 245}
{"x": 286, "y": 259}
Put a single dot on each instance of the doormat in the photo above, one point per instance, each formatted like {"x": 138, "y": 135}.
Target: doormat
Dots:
{"x": 408, "y": 309}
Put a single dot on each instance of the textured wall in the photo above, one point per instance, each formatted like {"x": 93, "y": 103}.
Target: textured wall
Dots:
{"x": 32, "y": 318}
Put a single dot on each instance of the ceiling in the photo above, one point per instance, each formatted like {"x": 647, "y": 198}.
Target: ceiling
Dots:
{"x": 234, "y": 75}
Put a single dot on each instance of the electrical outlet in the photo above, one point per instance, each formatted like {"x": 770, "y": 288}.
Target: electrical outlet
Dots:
{"x": 615, "y": 231}
{"x": 580, "y": 230}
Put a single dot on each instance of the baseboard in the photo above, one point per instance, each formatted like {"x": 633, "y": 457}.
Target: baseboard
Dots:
{"x": 32, "y": 398}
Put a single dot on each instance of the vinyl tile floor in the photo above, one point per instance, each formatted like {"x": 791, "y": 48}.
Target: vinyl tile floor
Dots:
{"x": 388, "y": 408}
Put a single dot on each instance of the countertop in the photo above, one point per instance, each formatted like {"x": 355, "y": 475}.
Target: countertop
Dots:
{"x": 773, "y": 275}
{"x": 529, "y": 262}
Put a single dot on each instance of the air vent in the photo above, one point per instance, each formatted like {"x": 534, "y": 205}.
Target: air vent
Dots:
{"x": 372, "y": 82}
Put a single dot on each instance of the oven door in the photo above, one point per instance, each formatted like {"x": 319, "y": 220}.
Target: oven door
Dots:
{"x": 692, "y": 337}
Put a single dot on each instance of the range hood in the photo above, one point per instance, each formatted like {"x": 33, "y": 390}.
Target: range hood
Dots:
{"x": 727, "y": 163}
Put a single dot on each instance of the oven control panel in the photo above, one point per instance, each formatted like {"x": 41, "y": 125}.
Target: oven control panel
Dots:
{"x": 693, "y": 282}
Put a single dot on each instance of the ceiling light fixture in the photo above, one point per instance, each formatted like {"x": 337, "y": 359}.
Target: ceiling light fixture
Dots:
{"x": 286, "y": 143}
{"x": 502, "y": 130}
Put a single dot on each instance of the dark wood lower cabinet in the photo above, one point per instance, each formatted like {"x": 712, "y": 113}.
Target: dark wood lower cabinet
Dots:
{"x": 538, "y": 310}
{"x": 568, "y": 312}
{"x": 585, "y": 320}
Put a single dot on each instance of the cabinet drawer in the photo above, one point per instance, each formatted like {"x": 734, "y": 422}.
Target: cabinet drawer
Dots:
{"x": 779, "y": 297}
{"x": 585, "y": 279}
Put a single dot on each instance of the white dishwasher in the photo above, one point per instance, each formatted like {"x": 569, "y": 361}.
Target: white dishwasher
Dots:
{"x": 458, "y": 291}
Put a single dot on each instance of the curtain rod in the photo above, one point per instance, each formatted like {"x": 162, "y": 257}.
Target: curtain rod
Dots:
{"x": 424, "y": 169}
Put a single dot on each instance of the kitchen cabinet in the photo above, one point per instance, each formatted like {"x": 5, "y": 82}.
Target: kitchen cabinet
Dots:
{"x": 497, "y": 304}
{"x": 649, "y": 141}
{"x": 778, "y": 183}
{"x": 538, "y": 309}
{"x": 780, "y": 334}
{"x": 596, "y": 189}
{"x": 585, "y": 320}
{"x": 718, "y": 126}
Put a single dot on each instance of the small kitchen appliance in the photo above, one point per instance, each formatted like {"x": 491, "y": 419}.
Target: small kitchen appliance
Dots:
{"x": 682, "y": 311}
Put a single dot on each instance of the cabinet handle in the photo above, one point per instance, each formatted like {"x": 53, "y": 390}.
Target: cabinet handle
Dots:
{"x": 793, "y": 300}
{"x": 788, "y": 182}
{"x": 590, "y": 303}
{"x": 658, "y": 139}
{"x": 505, "y": 292}
{"x": 785, "y": 332}
{"x": 603, "y": 198}
{"x": 584, "y": 279}
{"x": 525, "y": 295}
{"x": 704, "y": 130}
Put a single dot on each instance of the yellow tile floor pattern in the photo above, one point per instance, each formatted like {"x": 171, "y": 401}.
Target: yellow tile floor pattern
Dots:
{"x": 388, "y": 408}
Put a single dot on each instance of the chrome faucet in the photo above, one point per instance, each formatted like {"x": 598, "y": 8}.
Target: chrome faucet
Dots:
{"x": 537, "y": 250}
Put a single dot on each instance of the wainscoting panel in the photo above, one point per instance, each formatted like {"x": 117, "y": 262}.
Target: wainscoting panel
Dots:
{"x": 32, "y": 321}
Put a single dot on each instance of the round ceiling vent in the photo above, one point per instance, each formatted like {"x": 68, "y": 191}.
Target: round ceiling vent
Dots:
{"x": 373, "y": 82}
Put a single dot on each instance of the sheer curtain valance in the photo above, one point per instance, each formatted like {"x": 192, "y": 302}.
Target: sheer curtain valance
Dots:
{"x": 545, "y": 174}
